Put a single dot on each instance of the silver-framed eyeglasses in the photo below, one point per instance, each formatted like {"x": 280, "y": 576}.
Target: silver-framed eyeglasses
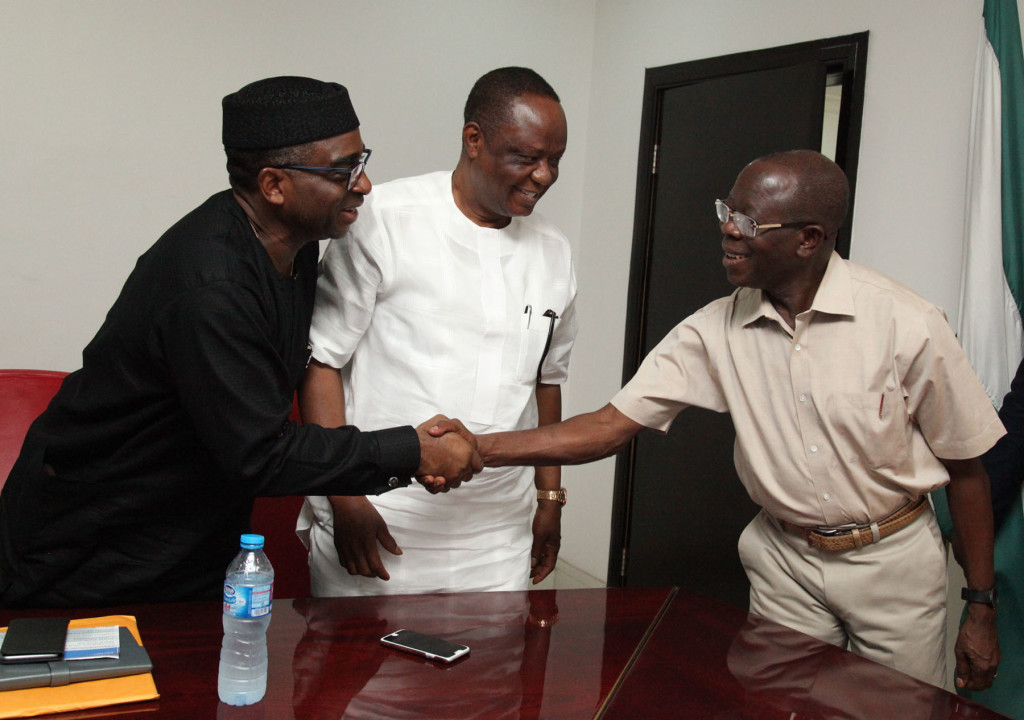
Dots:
{"x": 747, "y": 225}
{"x": 352, "y": 172}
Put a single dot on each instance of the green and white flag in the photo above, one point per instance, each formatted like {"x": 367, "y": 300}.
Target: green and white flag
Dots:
{"x": 993, "y": 257}
{"x": 992, "y": 287}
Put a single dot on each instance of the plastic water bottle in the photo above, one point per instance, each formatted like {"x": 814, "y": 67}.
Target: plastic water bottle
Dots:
{"x": 248, "y": 599}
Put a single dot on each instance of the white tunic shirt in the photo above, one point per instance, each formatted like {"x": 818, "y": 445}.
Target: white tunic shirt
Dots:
{"x": 429, "y": 313}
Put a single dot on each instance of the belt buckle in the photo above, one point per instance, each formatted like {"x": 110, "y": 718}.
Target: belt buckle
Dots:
{"x": 827, "y": 534}
{"x": 837, "y": 530}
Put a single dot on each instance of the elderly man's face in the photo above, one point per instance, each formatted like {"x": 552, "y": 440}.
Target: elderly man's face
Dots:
{"x": 516, "y": 165}
{"x": 768, "y": 260}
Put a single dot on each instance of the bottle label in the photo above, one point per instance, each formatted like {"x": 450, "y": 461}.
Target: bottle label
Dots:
{"x": 244, "y": 601}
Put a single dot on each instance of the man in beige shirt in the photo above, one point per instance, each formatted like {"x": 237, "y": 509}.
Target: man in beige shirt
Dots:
{"x": 851, "y": 400}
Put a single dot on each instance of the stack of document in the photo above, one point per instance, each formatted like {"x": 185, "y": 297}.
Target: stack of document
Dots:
{"x": 103, "y": 666}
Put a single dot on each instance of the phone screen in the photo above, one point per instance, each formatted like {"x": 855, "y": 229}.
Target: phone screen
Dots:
{"x": 426, "y": 646}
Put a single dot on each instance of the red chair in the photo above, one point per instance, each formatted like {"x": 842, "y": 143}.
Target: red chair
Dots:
{"x": 274, "y": 518}
{"x": 24, "y": 394}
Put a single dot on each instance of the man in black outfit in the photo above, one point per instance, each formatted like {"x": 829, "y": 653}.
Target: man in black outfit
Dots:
{"x": 1005, "y": 461}
{"x": 137, "y": 481}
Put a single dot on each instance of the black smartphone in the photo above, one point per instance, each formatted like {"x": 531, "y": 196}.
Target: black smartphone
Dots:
{"x": 427, "y": 646}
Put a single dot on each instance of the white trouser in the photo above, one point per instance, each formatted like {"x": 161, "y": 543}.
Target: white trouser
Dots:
{"x": 476, "y": 538}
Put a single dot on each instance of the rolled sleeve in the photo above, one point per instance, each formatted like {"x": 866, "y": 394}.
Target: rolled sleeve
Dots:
{"x": 346, "y": 295}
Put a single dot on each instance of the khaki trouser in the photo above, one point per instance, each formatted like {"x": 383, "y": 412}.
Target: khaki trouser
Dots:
{"x": 885, "y": 601}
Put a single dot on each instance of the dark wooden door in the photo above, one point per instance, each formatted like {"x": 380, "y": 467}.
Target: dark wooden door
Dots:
{"x": 681, "y": 504}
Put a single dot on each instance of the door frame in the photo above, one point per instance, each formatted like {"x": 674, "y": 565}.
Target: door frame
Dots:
{"x": 845, "y": 55}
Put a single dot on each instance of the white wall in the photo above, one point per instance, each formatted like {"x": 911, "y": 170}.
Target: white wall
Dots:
{"x": 110, "y": 121}
{"x": 110, "y": 127}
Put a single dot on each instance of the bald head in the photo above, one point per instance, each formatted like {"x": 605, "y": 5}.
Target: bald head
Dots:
{"x": 807, "y": 184}
{"x": 798, "y": 200}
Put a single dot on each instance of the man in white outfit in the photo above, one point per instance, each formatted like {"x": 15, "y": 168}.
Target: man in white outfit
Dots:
{"x": 449, "y": 295}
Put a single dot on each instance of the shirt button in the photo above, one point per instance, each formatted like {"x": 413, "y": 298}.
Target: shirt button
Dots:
{"x": 393, "y": 482}
{"x": 814, "y": 448}
{"x": 803, "y": 398}
{"x": 799, "y": 347}
{"x": 826, "y": 497}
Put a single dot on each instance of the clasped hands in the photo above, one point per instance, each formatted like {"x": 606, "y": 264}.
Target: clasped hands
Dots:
{"x": 448, "y": 454}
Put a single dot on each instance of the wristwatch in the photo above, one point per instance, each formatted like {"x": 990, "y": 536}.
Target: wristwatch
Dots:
{"x": 985, "y": 597}
{"x": 556, "y": 495}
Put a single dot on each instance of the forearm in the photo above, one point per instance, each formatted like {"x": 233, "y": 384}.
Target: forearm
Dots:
{"x": 321, "y": 396}
{"x": 977, "y": 644}
{"x": 322, "y": 402}
{"x": 342, "y": 504}
{"x": 971, "y": 510}
{"x": 578, "y": 440}
{"x": 549, "y": 412}
{"x": 547, "y": 477}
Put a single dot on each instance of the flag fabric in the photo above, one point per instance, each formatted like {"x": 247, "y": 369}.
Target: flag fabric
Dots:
{"x": 992, "y": 287}
{"x": 992, "y": 281}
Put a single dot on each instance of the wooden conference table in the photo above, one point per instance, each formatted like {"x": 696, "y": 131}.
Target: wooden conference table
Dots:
{"x": 562, "y": 654}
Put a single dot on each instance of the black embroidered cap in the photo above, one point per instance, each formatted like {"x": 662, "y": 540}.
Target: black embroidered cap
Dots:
{"x": 285, "y": 111}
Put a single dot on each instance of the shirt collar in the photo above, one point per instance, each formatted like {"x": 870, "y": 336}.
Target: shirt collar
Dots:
{"x": 835, "y": 293}
{"x": 834, "y": 296}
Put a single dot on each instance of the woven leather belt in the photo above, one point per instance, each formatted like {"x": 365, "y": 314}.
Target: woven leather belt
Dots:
{"x": 860, "y": 535}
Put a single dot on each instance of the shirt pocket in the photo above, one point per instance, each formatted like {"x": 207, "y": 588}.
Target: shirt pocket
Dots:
{"x": 870, "y": 428}
{"x": 532, "y": 342}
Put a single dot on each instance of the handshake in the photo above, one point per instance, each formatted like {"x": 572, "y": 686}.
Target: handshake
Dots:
{"x": 448, "y": 454}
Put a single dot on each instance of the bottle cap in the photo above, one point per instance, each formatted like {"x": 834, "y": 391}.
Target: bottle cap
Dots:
{"x": 252, "y": 542}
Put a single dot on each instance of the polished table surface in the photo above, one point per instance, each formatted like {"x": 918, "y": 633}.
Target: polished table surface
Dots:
{"x": 706, "y": 660}
{"x": 561, "y": 654}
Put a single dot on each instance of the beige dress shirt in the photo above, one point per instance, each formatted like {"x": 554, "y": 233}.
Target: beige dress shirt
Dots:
{"x": 839, "y": 420}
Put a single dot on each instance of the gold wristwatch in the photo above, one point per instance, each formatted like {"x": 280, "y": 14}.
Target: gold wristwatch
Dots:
{"x": 556, "y": 495}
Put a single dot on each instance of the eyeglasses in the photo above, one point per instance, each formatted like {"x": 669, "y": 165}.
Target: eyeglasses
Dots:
{"x": 352, "y": 172}
{"x": 747, "y": 226}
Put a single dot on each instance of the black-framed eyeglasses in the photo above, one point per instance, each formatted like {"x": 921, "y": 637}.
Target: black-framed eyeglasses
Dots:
{"x": 747, "y": 226}
{"x": 354, "y": 172}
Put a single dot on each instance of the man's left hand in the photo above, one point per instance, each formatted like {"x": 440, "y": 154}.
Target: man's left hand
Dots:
{"x": 547, "y": 539}
{"x": 977, "y": 649}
